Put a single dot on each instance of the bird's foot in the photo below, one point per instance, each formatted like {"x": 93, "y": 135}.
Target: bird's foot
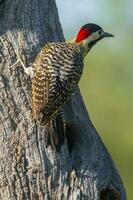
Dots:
{"x": 28, "y": 70}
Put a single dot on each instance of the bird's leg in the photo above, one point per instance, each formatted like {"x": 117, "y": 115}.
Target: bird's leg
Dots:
{"x": 28, "y": 70}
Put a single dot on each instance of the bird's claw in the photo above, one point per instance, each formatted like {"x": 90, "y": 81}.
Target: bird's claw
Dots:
{"x": 27, "y": 70}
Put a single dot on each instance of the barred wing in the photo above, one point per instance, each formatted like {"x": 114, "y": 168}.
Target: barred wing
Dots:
{"x": 47, "y": 97}
{"x": 40, "y": 93}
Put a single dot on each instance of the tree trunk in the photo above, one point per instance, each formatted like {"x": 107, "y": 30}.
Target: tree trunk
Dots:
{"x": 28, "y": 170}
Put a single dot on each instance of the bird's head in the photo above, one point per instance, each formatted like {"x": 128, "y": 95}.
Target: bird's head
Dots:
{"x": 90, "y": 34}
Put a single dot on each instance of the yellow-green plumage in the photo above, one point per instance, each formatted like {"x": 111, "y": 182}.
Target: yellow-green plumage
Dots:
{"x": 57, "y": 71}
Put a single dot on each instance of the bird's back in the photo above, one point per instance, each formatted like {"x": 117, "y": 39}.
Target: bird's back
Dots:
{"x": 57, "y": 70}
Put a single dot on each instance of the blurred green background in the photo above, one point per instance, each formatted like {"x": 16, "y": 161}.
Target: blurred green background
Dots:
{"x": 107, "y": 82}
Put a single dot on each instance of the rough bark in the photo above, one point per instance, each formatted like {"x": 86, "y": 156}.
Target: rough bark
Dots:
{"x": 28, "y": 170}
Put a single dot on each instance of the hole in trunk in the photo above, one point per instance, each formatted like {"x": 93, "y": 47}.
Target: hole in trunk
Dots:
{"x": 110, "y": 194}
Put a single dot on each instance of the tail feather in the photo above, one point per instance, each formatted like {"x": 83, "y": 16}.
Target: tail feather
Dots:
{"x": 59, "y": 132}
{"x": 55, "y": 133}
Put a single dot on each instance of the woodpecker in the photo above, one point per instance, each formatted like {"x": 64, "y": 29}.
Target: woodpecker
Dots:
{"x": 56, "y": 72}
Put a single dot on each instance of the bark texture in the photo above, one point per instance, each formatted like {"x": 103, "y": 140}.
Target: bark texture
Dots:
{"x": 28, "y": 170}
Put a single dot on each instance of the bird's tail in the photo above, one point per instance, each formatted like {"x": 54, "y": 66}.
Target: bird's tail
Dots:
{"x": 55, "y": 133}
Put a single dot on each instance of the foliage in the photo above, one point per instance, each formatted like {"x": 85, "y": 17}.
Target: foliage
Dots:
{"x": 107, "y": 87}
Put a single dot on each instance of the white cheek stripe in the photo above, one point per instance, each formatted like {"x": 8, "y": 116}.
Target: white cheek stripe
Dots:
{"x": 92, "y": 37}
{"x": 95, "y": 36}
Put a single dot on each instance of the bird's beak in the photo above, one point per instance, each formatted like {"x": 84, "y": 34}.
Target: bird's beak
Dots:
{"x": 105, "y": 34}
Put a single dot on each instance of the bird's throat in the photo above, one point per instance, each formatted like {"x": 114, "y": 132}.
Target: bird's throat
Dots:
{"x": 85, "y": 52}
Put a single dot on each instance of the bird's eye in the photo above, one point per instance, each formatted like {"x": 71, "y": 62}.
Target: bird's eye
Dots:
{"x": 100, "y": 32}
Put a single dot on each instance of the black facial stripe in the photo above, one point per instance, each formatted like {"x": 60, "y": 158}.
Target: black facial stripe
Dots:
{"x": 91, "y": 44}
{"x": 94, "y": 42}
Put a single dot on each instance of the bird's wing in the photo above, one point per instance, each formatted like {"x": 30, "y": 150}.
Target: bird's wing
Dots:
{"x": 48, "y": 92}
{"x": 53, "y": 106}
{"x": 47, "y": 97}
{"x": 40, "y": 93}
